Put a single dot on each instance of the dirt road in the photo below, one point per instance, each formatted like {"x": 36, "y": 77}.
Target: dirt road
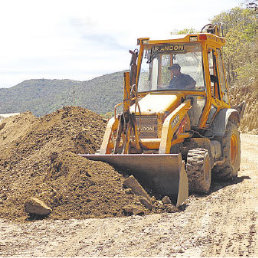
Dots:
{"x": 223, "y": 223}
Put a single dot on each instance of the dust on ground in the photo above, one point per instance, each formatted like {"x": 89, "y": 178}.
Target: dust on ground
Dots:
{"x": 222, "y": 224}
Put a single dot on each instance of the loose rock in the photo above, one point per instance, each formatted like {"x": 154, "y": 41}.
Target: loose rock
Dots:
{"x": 145, "y": 202}
{"x": 130, "y": 210}
{"x": 132, "y": 183}
{"x": 166, "y": 200}
{"x": 170, "y": 208}
{"x": 37, "y": 207}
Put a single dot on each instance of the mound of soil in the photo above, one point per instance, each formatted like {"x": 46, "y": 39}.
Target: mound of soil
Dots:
{"x": 38, "y": 158}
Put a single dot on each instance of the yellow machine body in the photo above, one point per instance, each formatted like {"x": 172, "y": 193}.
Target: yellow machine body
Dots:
{"x": 155, "y": 121}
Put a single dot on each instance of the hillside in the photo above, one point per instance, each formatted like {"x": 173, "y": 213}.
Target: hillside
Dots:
{"x": 100, "y": 95}
{"x": 44, "y": 96}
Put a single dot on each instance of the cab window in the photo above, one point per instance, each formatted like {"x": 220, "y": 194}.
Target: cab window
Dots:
{"x": 172, "y": 67}
{"x": 213, "y": 74}
{"x": 223, "y": 87}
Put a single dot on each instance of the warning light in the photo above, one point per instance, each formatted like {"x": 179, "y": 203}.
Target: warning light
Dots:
{"x": 202, "y": 37}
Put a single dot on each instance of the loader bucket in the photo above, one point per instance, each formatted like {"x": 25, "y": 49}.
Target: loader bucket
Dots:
{"x": 164, "y": 173}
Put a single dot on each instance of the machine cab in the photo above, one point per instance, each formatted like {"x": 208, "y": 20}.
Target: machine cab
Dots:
{"x": 190, "y": 65}
{"x": 161, "y": 62}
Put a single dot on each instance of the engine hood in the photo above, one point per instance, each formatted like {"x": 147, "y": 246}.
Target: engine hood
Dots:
{"x": 153, "y": 104}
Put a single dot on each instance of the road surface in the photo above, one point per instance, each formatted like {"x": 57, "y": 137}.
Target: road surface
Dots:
{"x": 223, "y": 223}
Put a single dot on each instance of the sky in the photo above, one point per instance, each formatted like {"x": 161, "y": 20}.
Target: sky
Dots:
{"x": 83, "y": 39}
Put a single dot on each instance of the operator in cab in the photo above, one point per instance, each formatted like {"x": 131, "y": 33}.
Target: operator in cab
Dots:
{"x": 180, "y": 80}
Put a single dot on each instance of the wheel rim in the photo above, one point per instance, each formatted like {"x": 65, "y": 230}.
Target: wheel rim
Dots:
{"x": 233, "y": 148}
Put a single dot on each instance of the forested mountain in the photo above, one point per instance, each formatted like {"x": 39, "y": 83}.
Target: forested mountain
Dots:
{"x": 44, "y": 96}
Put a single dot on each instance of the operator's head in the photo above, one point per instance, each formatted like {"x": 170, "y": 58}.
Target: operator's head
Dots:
{"x": 175, "y": 68}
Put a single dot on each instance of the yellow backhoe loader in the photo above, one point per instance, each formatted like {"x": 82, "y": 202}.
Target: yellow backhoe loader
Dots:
{"x": 177, "y": 126}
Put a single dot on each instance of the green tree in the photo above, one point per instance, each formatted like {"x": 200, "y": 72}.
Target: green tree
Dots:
{"x": 239, "y": 26}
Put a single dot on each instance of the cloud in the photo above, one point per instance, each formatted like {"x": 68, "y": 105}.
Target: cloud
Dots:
{"x": 94, "y": 36}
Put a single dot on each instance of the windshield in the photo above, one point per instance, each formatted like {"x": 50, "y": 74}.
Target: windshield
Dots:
{"x": 172, "y": 67}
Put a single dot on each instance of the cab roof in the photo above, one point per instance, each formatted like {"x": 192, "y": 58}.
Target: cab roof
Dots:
{"x": 197, "y": 37}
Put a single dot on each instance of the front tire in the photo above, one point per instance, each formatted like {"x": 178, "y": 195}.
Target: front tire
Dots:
{"x": 198, "y": 170}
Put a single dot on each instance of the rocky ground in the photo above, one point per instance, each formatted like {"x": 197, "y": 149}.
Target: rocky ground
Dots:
{"x": 222, "y": 223}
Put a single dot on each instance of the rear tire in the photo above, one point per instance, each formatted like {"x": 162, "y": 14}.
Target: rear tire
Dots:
{"x": 231, "y": 152}
{"x": 198, "y": 170}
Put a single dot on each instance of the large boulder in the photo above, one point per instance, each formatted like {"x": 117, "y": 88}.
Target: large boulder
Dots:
{"x": 137, "y": 189}
{"x": 37, "y": 207}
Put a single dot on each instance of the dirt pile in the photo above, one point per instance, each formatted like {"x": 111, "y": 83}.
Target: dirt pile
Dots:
{"x": 38, "y": 159}
{"x": 249, "y": 122}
